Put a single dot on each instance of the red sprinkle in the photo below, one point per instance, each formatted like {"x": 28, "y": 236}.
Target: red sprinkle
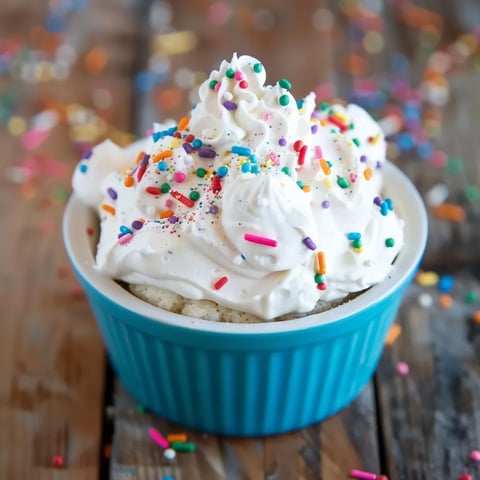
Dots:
{"x": 153, "y": 190}
{"x": 337, "y": 122}
{"x": 216, "y": 184}
{"x": 298, "y": 145}
{"x": 141, "y": 171}
{"x": 322, "y": 286}
{"x": 301, "y": 155}
{"x": 90, "y": 231}
{"x": 220, "y": 283}
{"x": 182, "y": 198}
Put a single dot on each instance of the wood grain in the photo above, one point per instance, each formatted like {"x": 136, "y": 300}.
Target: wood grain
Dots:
{"x": 51, "y": 356}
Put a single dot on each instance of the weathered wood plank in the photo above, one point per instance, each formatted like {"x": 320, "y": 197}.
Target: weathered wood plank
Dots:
{"x": 327, "y": 450}
{"x": 51, "y": 355}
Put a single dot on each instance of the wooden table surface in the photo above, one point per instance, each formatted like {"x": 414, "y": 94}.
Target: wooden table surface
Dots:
{"x": 73, "y": 73}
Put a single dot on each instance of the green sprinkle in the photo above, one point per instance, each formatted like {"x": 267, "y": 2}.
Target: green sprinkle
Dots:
{"x": 258, "y": 67}
{"x": 319, "y": 278}
{"x": 284, "y": 100}
{"x": 212, "y": 84}
{"x": 286, "y": 171}
{"x": 343, "y": 182}
{"x": 357, "y": 243}
{"x": 201, "y": 172}
{"x": 194, "y": 195}
{"x": 300, "y": 184}
{"x": 165, "y": 187}
{"x": 454, "y": 165}
{"x": 351, "y": 126}
{"x": 389, "y": 242}
{"x": 356, "y": 141}
{"x": 230, "y": 72}
{"x": 470, "y": 296}
{"x": 284, "y": 83}
{"x": 183, "y": 446}
{"x": 323, "y": 106}
{"x": 141, "y": 408}
{"x": 472, "y": 193}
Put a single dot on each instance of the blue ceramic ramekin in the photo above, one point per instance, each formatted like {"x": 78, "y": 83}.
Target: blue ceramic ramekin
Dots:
{"x": 247, "y": 379}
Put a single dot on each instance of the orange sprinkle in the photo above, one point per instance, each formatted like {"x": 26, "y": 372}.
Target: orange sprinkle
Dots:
{"x": 393, "y": 334}
{"x": 419, "y": 17}
{"x": 95, "y": 60}
{"x": 367, "y": 173}
{"x": 448, "y": 211}
{"x": 374, "y": 140}
{"x": 306, "y": 188}
{"x": 445, "y": 300}
{"x": 128, "y": 181}
{"x": 108, "y": 209}
{"x": 183, "y": 123}
{"x": 324, "y": 166}
{"x": 177, "y": 437}
{"x": 140, "y": 156}
{"x": 476, "y": 316}
{"x": 161, "y": 155}
{"x": 321, "y": 267}
{"x": 166, "y": 213}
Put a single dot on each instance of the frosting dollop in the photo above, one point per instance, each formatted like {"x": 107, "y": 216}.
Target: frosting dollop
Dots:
{"x": 255, "y": 201}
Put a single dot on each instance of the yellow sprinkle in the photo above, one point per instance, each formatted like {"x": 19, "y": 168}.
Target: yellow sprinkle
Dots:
{"x": 427, "y": 279}
{"x": 358, "y": 250}
{"x": 324, "y": 166}
{"x": 327, "y": 183}
{"x": 374, "y": 140}
{"x": 176, "y": 142}
{"x": 16, "y": 126}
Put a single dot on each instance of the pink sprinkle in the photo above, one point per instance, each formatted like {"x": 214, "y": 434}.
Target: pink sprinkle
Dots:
{"x": 475, "y": 455}
{"x": 34, "y": 138}
{"x": 220, "y": 283}
{"x": 361, "y": 475}
{"x": 149, "y": 132}
{"x": 238, "y": 75}
{"x": 179, "y": 177}
{"x": 353, "y": 177}
{"x": 318, "y": 151}
{"x": 124, "y": 239}
{"x": 465, "y": 476}
{"x": 217, "y": 86}
{"x": 267, "y": 117}
{"x": 438, "y": 159}
{"x": 158, "y": 438}
{"x": 269, "y": 242}
{"x": 403, "y": 369}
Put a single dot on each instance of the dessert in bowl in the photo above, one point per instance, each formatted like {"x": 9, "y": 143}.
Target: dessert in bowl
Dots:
{"x": 268, "y": 243}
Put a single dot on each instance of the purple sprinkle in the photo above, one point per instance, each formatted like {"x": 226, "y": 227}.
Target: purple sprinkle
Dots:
{"x": 378, "y": 164}
{"x": 363, "y": 159}
{"x": 137, "y": 224}
{"x": 282, "y": 142}
{"x": 325, "y": 204}
{"x": 145, "y": 159}
{"x": 187, "y": 147}
{"x": 173, "y": 219}
{"x": 377, "y": 200}
{"x": 213, "y": 209}
{"x": 206, "y": 153}
{"x": 113, "y": 194}
{"x": 309, "y": 243}
{"x": 87, "y": 155}
{"x": 229, "y": 105}
{"x": 314, "y": 128}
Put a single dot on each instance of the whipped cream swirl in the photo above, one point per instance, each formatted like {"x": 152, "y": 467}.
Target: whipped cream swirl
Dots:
{"x": 255, "y": 201}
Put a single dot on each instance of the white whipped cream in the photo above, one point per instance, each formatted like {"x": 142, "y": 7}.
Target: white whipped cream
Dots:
{"x": 256, "y": 202}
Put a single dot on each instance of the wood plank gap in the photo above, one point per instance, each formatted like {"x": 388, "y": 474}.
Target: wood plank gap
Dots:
{"x": 107, "y": 423}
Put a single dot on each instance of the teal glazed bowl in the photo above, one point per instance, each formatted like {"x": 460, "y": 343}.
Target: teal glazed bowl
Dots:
{"x": 247, "y": 379}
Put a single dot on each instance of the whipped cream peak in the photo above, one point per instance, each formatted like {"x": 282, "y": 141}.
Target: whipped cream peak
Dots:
{"x": 255, "y": 201}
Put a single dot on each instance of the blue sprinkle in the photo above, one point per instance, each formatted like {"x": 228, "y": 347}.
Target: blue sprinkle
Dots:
{"x": 253, "y": 158}
{"x": 254, "y": 168}
{"x": 445, "y": 283}
{"x": 145, "y": 81}
{"x": 245, "y": 167}
{"x": 222, "y": 171}
{"x": 83, "y": 168}
{"x": 242, "y": 151}
{"x": 162, "y": 166}
{"x": 389, "y": 203}
{"x": 197, "y": 143}
{"x": 384, "y": 208}
{"x": 354, "y": 236}
{"x": 125, "y": 229}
